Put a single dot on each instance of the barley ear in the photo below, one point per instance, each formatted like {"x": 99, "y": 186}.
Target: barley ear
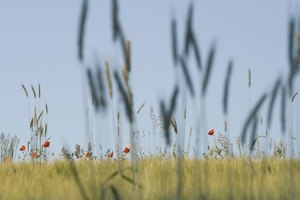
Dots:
{"x": 249, "y": 77}
{"x": 108, "y": 79}
{"x": 34, "y": 94}
{"x": 39, "y": 91}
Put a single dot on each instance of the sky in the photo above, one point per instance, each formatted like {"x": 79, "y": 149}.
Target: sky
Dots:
{"x": 38, "y": 45}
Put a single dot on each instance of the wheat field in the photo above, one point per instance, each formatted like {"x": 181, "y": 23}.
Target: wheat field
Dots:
{"x": 156, "y": 177}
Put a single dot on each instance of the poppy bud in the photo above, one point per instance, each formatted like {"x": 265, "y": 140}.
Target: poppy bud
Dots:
{"x": 22, "y": 148}
{"x": 46, "y": 144}
{"x": 126, "y": 150}
{"x": 211, "y": 132}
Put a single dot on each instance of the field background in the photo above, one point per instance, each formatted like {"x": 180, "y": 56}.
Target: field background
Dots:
{"x": 157, "y": 100}
{"x": 226, "y": 179}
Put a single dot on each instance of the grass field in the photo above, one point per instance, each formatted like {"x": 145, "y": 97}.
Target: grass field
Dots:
{"x": 211, "y": 179}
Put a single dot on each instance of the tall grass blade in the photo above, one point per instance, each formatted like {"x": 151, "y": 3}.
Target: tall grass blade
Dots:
{"x": 187, "y": 76}
{"x": 167, "y": 114}
{"x": 92, "y": 88}
{"x": 113, "y": 190}
{"x": 128, "y": 106}
{"x": 166, "y": 122}
{"x": 249, "y": 77}
{"x": 174, "y": 41}
{"x": 114, "y": 174}
{"x": 252, "y": 117}
{"x": 208, "y": 69}
{"x": 46, "y": 129}
{"x": 131, "y": 181}
{"x": 126, "y": 51}
{"x": 118, "y": 34}
{"x": 196, "y": 50}
{"x": 188, "y": 33}
{"x": 101, "y": 87}
{"x": 40, "y": 116}
{"x": 128, "y": 55}
{"x": 291, "y": 42}
{"x": 253, "y": 137}
{"x": 31, "y": 124}
{"x": 125, "y": 75}
{"x": 293, "y": 57}
{"x": 116, "y": 26}
{"x": 173, "y": 100}
{"x": 174, "y": 124}
{"x": 108, "y": 79}
{"x": 283, "y": 108}
{"x": 35, "y": 118}
{"x": 77, "y": 180}
{"x": 272, "y": 101}
{"x": 46, "y": 108}
{"x": 294, "y": 96}
{"x": 226, "y": 87}
{"x": 82, "y": 23}
{"x": 117, "y": 30}
{"x": 292, "y": 74}
{"x": 39, "y": 91}
{"x": 141, "y": 107}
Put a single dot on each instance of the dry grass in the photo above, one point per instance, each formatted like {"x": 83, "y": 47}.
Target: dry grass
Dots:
{"x": 226, "y": 179}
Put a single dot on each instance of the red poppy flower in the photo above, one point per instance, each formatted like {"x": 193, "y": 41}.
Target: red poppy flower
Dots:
{"x": 88, "y": 154}
{"x": 211, "y": 132}
{"x": 33, "y": 155}
{"x": 110, "y": 155}
{"x": 126, "y": 150}
{"x": 46, "y": 144}
{"x": 22, "y": 148}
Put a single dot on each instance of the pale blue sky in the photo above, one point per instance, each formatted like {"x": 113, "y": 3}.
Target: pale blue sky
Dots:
{"x": 38, "y": 45}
